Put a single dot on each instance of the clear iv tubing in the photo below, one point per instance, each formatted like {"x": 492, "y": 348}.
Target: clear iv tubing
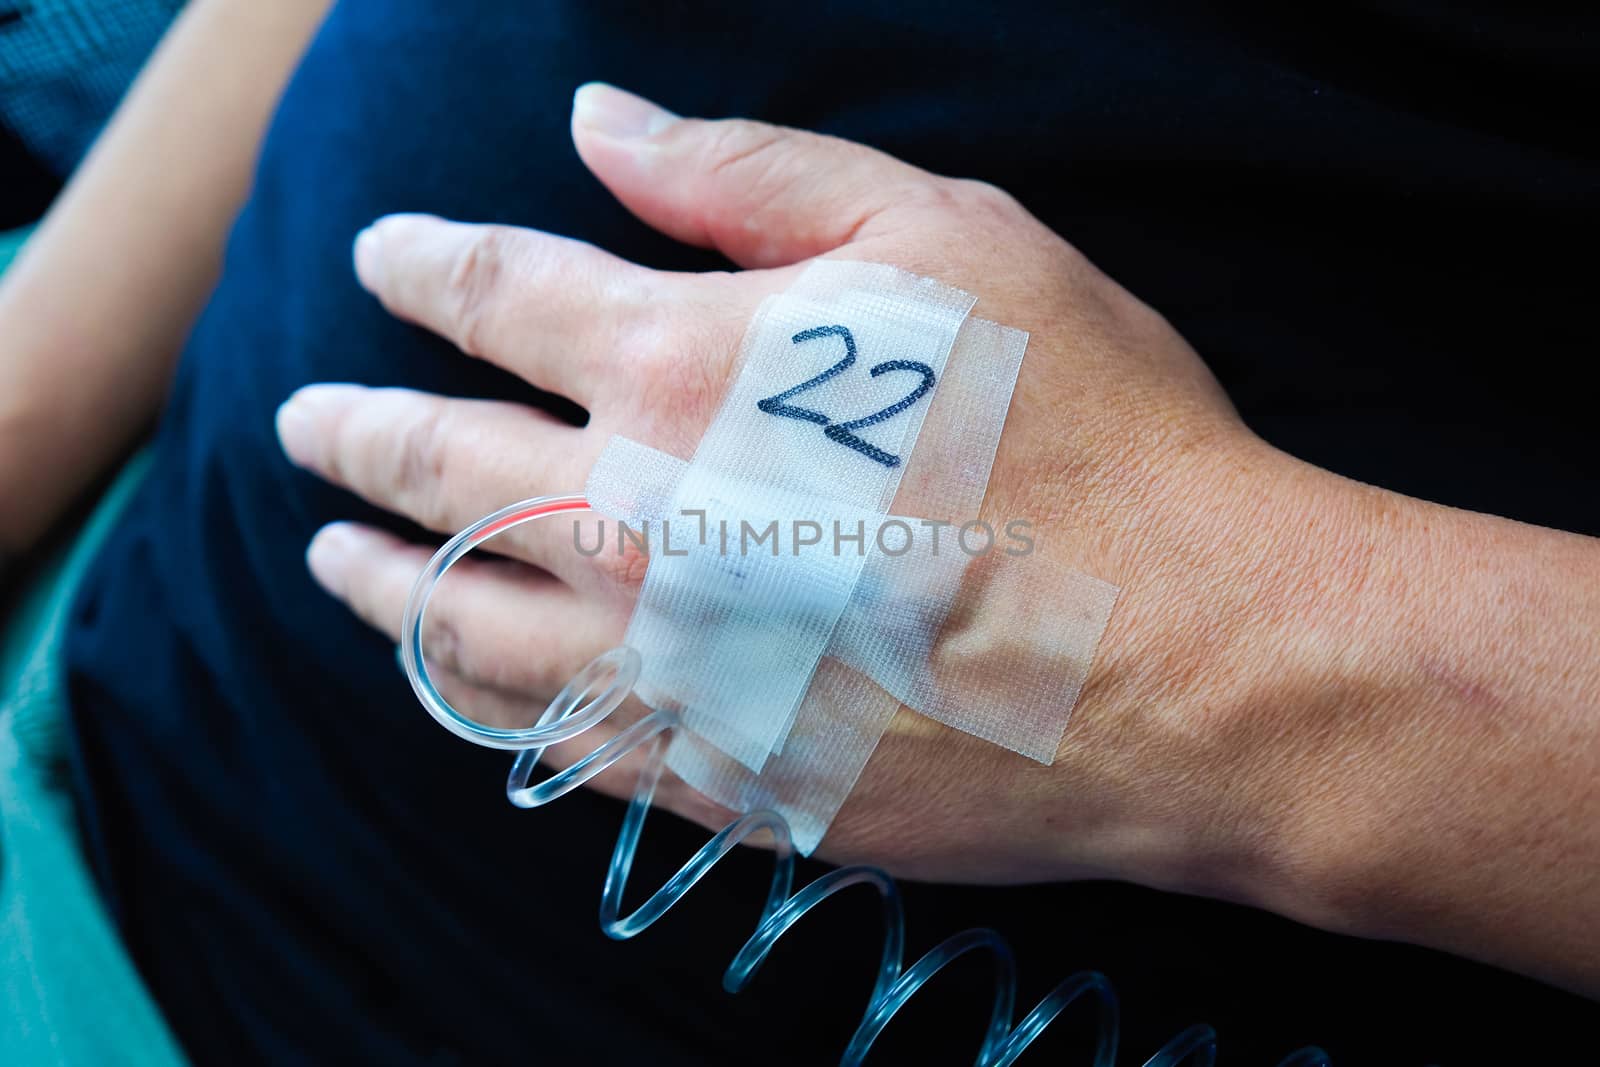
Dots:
{"x": 597, "y": 691}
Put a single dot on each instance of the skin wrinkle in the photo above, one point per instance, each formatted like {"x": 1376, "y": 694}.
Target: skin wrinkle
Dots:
{"x": 423, "y": 461}
{"x": 749, "y": 163}
{"x": 488, "y": 661}
{"x": 472, "y": 285}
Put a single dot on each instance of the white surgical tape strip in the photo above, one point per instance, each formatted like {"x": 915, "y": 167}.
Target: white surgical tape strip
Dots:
{"x": 920, "y": 623}
{"x": 731, "y": 642}
{"x": 787, "y": 668}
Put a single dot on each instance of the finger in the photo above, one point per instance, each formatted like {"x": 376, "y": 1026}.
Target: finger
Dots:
{"x": 762, "y": 195}
{"x": 477, "y": 634}
{"x": 497, "y": 626}
{"x": 557, "y": 312}
{"x": 495, "y": 708}
{"x": 509, "y": 711}
{"x": 442, "y": 462}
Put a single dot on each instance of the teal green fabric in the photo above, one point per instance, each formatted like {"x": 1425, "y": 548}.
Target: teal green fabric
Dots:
{"x": 11, "y": 243}
{"x": 69, "y": 994}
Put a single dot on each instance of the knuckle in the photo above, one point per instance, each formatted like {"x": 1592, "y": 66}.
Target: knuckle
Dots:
{"x": 649, "y": 339}
{"x": 441, "y": 639}
{"x": 752, "y": 148}
{"x": 474, "y": 660}
{"x": 941, "y": 198}
{"x": 419, "y": 462}
{"x": 986, "y": 197}
{"x": 682, "y": 358}
{"x": 473, "y": 284}
{"x": 986, "y": 220}
{"x": 970, "y": 200}
{"x": 757, "y": 167}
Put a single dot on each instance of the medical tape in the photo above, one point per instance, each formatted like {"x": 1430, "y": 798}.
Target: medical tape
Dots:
{"x": 731, "y": 642}
{"x": 866, "y": 401}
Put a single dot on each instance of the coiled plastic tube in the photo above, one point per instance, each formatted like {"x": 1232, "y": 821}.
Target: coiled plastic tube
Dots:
{"x": 596, "y": 692}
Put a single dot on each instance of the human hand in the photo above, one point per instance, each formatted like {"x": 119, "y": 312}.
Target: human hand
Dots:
{"x": 1119, "y": 446}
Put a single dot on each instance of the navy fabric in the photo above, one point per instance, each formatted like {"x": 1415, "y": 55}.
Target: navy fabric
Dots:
{"x": 1362, "y": 223}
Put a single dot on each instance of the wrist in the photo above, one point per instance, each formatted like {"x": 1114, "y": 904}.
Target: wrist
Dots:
{"x": 1239, "y": 640}
{"x": 1450, "y": 795}
{"x": 1399, "y": 741}
{"x": 1297, "y": 696}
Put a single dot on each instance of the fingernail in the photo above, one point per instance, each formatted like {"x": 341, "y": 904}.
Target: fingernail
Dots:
{"x": 329, "y": 554}
{"x": 302, "y": 419}
{"x": 620, "y": 115}
{"x": 369, "y": 263}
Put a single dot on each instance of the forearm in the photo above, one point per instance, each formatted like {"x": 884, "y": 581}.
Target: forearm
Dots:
{"x": 1437, "y": 776}
{"x": 94, "y": 311}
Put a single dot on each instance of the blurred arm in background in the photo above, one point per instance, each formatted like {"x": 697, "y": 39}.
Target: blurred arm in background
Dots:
{"x": 96, "y": 308}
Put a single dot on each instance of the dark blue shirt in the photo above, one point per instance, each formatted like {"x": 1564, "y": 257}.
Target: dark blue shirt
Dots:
{"x": 1367, "y": 224}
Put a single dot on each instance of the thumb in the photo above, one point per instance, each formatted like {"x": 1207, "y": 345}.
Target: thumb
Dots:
{"x": 764, "y": 196}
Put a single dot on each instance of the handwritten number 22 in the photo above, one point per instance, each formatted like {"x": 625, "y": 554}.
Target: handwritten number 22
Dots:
{"x": 843, "y": 432}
